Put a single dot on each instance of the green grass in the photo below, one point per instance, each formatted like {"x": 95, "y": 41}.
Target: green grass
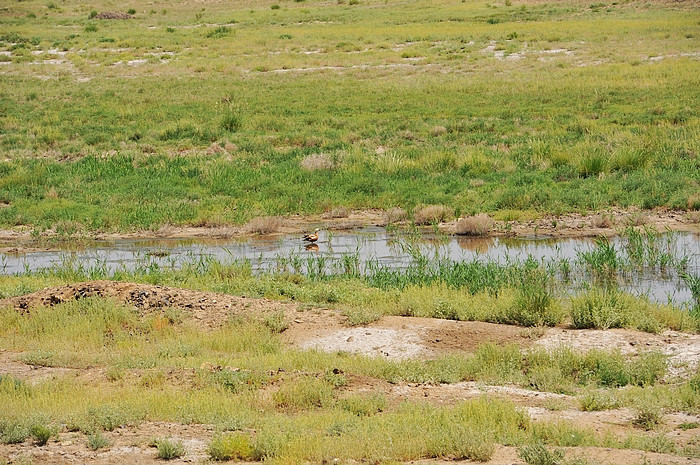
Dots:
{"x": 119, "y": 131}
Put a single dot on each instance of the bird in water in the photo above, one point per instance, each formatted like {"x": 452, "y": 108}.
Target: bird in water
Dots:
{"x": 312, "y": 247}
{"x": 313, "y": 237}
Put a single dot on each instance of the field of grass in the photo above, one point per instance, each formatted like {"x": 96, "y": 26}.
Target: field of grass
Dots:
{"x": 216, "y": 113}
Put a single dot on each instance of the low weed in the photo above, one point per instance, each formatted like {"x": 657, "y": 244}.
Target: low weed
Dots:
{"x": 232, "y": 446}
{"x": 169, "y": 449}
{"x": 303, "y": 393}
{"x": 363, "y": 405}
{"x": 539, "y": 454}
{"x": 264, "y": 225}
{"x": 98, "y": 441}
{"x": 647, "y": 417}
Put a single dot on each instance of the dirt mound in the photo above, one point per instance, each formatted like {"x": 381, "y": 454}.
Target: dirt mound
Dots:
{"x": 208, "y": 308}
{"x": 113, "y": 15}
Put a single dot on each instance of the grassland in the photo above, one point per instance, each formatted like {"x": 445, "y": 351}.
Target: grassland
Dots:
{"x": 211, "y": 114}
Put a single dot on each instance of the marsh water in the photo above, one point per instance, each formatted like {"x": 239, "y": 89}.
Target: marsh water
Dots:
{"x": 374, "y": 245}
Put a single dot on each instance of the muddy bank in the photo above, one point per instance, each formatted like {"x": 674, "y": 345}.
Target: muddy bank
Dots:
{"x": 571, "y": 225}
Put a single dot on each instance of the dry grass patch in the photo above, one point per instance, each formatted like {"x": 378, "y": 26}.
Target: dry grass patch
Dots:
{"x": 477, "y": 225}
{"x": 604, "y": 220}
{"x": 264, "y": 225}
{"x": 436, "y": 131}
{"x": 337, "y": 212}
{"x": 394, "y": 215}
{"x": 318, "y": 161}
{"x": 431, "y": 214}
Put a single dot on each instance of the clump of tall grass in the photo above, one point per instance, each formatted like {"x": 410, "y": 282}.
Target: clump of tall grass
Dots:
{"x": 264, "y": 225}
{"x": 432, "y": 214}
{"x": 477, "y": 225}
{"x": 535, "y": 304}
{"x": 603, "y": 261}
{"x": 647, "y": 417}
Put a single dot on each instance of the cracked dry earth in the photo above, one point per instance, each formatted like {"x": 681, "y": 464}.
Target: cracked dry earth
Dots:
{"x": 390, "y": 337}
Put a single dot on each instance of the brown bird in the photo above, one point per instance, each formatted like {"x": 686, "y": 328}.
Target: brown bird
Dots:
{"x": 313, "y": 237}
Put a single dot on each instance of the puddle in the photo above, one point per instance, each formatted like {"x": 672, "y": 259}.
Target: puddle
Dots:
{"x": 369, "y": 246}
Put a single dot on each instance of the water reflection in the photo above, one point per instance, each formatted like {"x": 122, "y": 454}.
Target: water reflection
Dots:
{"x": 475, "y": 244}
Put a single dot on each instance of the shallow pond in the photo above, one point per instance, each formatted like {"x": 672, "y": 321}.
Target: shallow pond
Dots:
{"x": 369, "y": 245}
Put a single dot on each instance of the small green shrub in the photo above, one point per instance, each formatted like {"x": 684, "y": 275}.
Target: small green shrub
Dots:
{"x": 97, "y": 441}
{"x": 276, "y": 321}
{"x": 275, "y": 7}
{"x": 13, "y": 432}
{"x": 90, "y": 28}
{"x": 131, "y": 11}
{"x": 41, "y": 434}
{"x": 600, "y": 309}
{"x": 535, "y": 305}
{"x": 169, "y": 449}
{"x": 92, "y": 14}
{"x": 539, "y": 454}
{"x": 598, "y": 399}
{"x": 231, "y": 446}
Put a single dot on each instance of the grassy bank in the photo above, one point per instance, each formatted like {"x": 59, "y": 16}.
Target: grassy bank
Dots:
{"x": 194, "y": 116}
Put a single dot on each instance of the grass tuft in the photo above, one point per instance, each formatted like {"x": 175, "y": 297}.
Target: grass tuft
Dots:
{"x": 477, "y": 225}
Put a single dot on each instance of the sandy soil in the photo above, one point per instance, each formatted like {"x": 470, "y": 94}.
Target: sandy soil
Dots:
{"x": 391, "y": 337}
